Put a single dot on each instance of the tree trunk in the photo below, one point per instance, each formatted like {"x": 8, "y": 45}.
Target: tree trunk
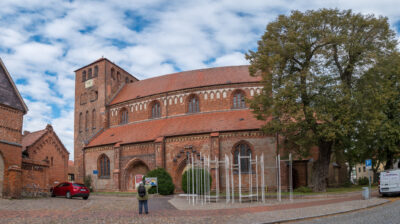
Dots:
{"x": 389, "y": 159}
{"x": 321, "y": 167}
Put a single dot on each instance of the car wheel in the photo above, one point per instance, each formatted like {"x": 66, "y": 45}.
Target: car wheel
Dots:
{"x": 85, "y": 198}
{"x": 52, "y": 194}
{"x": 68, "y": 195}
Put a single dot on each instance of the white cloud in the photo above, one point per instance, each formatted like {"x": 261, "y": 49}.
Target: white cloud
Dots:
{"x": 42, "y": 43}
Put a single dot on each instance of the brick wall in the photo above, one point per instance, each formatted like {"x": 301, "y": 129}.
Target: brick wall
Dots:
{"x": 10, "y": 151}
{"x": 10, "y": 124}
{"x": 214, "y": 98}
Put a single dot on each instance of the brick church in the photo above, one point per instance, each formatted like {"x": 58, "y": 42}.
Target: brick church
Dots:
{"x": 29, "y": 162}
{"x": 125, "y": 126}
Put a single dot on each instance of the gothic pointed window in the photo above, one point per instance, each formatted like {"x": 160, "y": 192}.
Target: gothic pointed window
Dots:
{"x": 96, "y": 71}
{"x": 94, "y": 119}
{"x": 90, "y": 73}
{"x": 80, "y": 122}
{"x": 87, "y": 121}
{"x": 124, "y": 116}
{"x": 156, "y": 110}
{"x": 83, "y": 76}
{"x": 193, "y": 106}
{"x": 104, "y": 166}
{"x": 238, "y": 100}
{"x": 242, "y": 149}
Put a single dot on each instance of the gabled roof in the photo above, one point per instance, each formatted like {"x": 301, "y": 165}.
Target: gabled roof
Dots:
{"x": 9, "y": 94}
{"x": 185, "y": 80}
{"x": 30, "y": 139}
{"x": 180, "y": 125}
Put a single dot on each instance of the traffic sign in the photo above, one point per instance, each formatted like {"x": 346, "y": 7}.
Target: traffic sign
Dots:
{"x": 368, "y": 164}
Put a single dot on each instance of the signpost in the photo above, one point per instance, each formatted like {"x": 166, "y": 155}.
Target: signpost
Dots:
{"x": 138, "y": 179}
{"x": 152, "y": 181}
{"x": 368, "y": 166}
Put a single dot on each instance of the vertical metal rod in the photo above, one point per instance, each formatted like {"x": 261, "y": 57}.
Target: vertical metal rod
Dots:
{"x": 227, "y": 187}
{"x": 240, "y": 179}
{"x": 217, "y": 178}
{"x": 233, "y": 189}
{"x": 250, "y": 179}
{"x": 279, "y": 176}
{"x": 262, "y": 178}
{"x": 201, "y": 178}
{"x": 257, "y": 176}
{"x": 192, "y": 179}
{"x": 197, "y": 179}
{"x": 187, "y": 178}
{"x": 290, "y": 177}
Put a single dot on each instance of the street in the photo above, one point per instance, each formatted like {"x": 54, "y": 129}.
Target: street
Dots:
{"x": 386, "y": 214}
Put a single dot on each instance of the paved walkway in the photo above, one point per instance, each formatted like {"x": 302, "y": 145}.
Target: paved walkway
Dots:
{"x": 111, "y": 209}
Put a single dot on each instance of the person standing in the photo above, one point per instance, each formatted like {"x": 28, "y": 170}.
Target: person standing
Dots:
{"x": 143, "y": 196}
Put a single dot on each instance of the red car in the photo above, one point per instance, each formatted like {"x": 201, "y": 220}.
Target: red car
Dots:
{"x": 70, "y": 190}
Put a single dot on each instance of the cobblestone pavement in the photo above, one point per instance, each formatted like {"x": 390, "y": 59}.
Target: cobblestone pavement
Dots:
{"x": 113, "y": 209}
{"x": 386, "y": 214}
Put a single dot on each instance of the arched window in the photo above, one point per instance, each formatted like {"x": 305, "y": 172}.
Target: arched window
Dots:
{"x": 124, "y": 116}
{"x": 83, "y": 76}
{"x": 238, "y": 100}
{"x": 193, "y": 106}
{"x": 94, "y": 119}
{"x": 118, "y": 76}
{"x": 243, "y": 150}
{"x": 113, "y": 73}
{"x": 87, "y": 121}
{"x": 156, "y": 110}
{"x": 104, "y": 166}
{"x": 90, "y": 73}
{"x": 126, "y": 80}
{"x": 96, "y": 71}
{"x": 80, "y": 122}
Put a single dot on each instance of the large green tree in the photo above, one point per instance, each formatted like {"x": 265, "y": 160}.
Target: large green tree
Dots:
{"x": 378, "y": 128}
{"x": 309, "y": 63}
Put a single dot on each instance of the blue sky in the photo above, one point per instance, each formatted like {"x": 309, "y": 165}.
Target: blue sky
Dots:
{"x": 43, "y": 42}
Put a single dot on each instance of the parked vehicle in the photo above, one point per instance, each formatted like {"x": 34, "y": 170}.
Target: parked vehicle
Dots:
{"x": 69, "y": 190}
{"x": 389, "y": 182}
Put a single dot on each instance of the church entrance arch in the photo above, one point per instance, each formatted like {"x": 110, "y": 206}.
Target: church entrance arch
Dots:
{"x": 1, "y": 175}
{"x": 133, "y": 168}
{"x": 180, "y": 170}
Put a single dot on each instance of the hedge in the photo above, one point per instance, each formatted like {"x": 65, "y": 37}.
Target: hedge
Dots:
{"x": 165, "y": 184}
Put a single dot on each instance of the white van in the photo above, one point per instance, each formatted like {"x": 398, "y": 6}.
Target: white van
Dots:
{"x": 389, "y": 182}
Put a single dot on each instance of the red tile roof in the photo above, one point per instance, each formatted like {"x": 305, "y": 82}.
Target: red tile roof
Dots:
{"x": 30, "y": 138}
{"x": 180, "y": 125}
{"x": 184, "y": 80}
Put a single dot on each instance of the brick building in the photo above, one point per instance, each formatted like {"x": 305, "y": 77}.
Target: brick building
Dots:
{"x": 44, "y": 160}
{"x": 12, "y": 110}
{"x": 125, "y": 127}
{"x": 33, "y": 159}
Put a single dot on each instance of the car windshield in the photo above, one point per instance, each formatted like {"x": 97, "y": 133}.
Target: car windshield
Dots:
{"x": 79, "y": 185}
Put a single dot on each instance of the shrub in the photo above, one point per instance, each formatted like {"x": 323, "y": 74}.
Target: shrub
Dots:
{"x": 363, "y": 181}
{"x": 87, "y": 181}
{"x": 196, "y": 171}
{"x": 164, "y": 181}
{"x": 303, "y": 189}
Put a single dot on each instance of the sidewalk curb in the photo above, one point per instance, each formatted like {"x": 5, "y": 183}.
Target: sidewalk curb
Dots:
{"x": 328, "y": 214}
